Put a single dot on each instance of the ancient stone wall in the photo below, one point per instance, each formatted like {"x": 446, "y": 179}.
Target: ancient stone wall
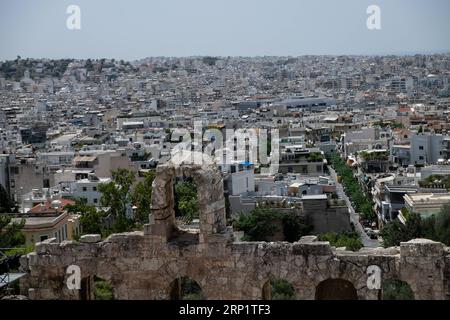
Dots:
{"x": 144, "y": 265}
{"x": 139, "y": 268}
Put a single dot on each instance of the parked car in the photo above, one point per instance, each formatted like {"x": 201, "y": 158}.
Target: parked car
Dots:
{"x": 375, "y": 234}
{"x": 372, "y": 234}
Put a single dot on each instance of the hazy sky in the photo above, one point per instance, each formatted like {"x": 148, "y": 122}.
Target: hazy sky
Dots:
{"x": 133, "y": 29}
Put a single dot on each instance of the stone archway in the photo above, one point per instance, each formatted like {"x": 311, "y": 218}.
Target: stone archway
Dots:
{"x": 278, "y": 289}
{"x": 185, "y": 288}
{"x": 211, "y": 200}
{"x": 336, "y": 289}
{"x": 96, "y": 288}
{"x": 86, "y": 290}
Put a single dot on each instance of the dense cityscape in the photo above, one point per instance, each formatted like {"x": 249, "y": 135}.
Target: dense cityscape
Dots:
{"x": 224, "y": 159}
{"x": 361, "y": 152}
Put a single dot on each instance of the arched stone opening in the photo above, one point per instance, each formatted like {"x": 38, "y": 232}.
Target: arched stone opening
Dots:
{"x": 186, "y": 204}
{"x": 86, "y": 292}
{"x": 395, "y": 289}
{"x": 211, "y": 203}
{"x": 278, "y": 289}
{"x": 96, "y": 288}
{"x": 336, "y": 289}
{"x": 185, "y": 288}
{"x": 186, "y": 209}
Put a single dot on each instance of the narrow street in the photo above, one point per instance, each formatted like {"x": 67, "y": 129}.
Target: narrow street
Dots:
{"x": 354, "y": 217}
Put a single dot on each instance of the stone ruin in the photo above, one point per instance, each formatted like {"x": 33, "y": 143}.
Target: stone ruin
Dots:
{"x": 209, "y": 184}
{"x": 147, "y": 264}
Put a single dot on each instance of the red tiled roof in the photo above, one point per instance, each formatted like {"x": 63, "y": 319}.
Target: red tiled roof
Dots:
{"x": 47, "y": 207}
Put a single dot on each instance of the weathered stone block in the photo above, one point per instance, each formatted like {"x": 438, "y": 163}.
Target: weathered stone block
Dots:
{"x": 90, "y": 238}
{"x": 316, "y": 248}
{"x": 421, "y": 248}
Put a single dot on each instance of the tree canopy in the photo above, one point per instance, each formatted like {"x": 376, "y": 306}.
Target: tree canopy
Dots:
{"x": 186, "y": 201}
{"x": 11, "y": 233}
{"x": 394, "y": 289}
{"x": 281, "y": 290}
{"x": 436, "y": 227}
{"x": 435, "y": 180}
{"x": 363, "y": 204}
{"x": 142, "y": 197}
{"x": 91, "y": 218}
{"x": 116, "y": 196}
{"x": 7, "y": 205}
{"x": 349, "y": 240}
{"x": 261, "y": 223}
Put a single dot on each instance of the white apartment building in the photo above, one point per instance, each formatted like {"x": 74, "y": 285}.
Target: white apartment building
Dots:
{"x": 426, "y": 148}
{"x": 241, "y": 178}
{"x": 364, "y": 139}
{"x": 88, "y": 189}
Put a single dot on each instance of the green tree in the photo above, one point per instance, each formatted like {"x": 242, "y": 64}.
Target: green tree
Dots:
{"x": 397, "y": 125}
{"x": 397, "y": 290}
{"x": 395, "y": 232}
{"x": 434, "y": 180}
{"x": 92, "y": 222}
{"x": 428, "y": 228}
{"x": 442, "y": 225}
{"x": 260, "y": 224}
{"x": 294, "y": 227}
{"x": 102, "y": 289}
{"x": 186, "y": 201}
{"x": 91, "y": 219}
{"x": 349, "y": 240}
{"x": 142, "y": 196}
{"x": 80, "y": 206}
{"x": 282, "y": 290}
{"x": 414, "y": 226}
{"x": 124, "y": 178}
{"x": 315, "y": 157}
{"x": 436, "y": 227}
{"x": 7, "y": 205}
{"x": 11, "y": 233}
{"x": 116, "y": 196}
{"x": 363, "y": 203}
